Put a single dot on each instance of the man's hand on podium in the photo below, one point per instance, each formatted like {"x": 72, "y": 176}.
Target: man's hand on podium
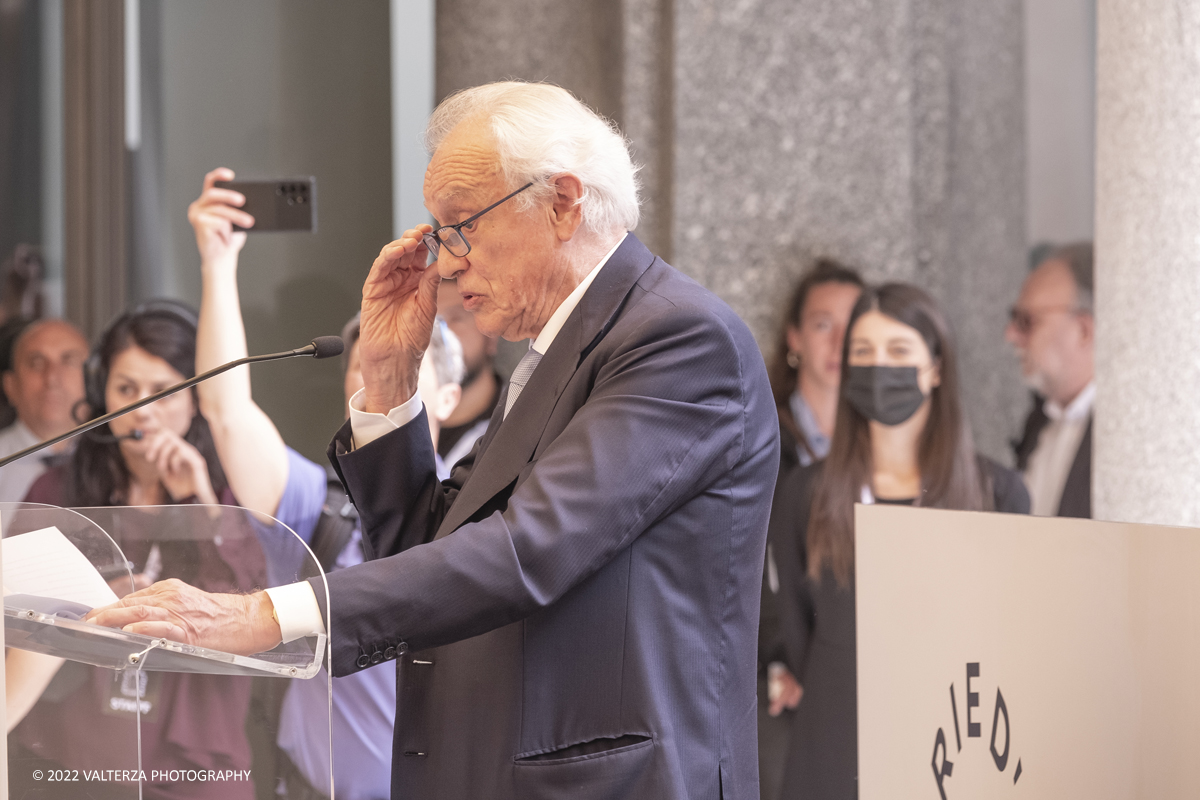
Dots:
{"x": 243, "y": 624}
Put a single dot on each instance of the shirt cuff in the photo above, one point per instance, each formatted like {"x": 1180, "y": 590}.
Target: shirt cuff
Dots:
{"x": 366, "y": 426}
{"x": 296, "y": 611}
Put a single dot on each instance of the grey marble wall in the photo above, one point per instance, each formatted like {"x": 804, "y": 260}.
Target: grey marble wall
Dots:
{"x": 1147, "y": 437}
{"x": 772, "y": 131}
{"x": 575, "y": 44}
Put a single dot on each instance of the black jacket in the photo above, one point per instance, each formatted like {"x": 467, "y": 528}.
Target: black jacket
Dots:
{"x": 1077, "y": 491}
{"x": 817, "y": 620}
{"x": 574, "y": 609}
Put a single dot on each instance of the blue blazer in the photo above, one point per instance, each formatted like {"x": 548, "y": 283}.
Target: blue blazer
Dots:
{"x": 575, "y": 610}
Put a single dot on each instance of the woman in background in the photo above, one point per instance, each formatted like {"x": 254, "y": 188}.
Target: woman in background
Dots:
{"x": 804, "y": 376}
{"x": 900, "y": 437}
{"x": 807, "y": 366}
{"x": 160, "y": 454}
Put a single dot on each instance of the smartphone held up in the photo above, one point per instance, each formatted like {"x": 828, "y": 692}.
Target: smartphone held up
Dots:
{"x": 281, "y": 204}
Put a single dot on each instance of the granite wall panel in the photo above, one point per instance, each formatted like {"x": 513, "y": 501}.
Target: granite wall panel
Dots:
{"x": 889, "y": 136}
{"x": 1147, "y": 436}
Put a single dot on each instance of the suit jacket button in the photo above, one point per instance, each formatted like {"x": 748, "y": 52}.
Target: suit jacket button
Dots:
{"x": 402, "y": 648}
{"x": 390, "y": 653}
{"x": 363, "y": 661}
{"x": 376, "y": 657}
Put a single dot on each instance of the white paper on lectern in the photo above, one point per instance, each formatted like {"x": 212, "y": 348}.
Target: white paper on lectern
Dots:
{"x": 46, "y": 564}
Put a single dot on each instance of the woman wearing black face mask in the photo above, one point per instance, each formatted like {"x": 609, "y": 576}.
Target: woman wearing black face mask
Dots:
{"x": 900, "y": 437}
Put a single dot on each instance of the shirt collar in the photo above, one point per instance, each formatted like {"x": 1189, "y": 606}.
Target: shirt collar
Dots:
{"x": 807, "y": 422}
{"x": 1078, "y": 409}
{"x": 559, "y": 317}
{"x": 24, "y": 435}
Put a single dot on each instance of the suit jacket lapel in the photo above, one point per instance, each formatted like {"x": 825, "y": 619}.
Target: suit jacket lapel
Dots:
{"x": 1076, "y": 500}
{"x": 494, "y": 421}
{"x": 508, "y": 447}
{"x": 1034, "y": 423}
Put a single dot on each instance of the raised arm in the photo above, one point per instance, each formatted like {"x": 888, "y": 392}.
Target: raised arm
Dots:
{"x": 252, "y": 452}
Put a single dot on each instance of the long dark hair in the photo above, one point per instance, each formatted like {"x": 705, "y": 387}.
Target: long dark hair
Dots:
{"x": 950, "y": 472}
{"x": 782, "y": 374}
{"x": 97, "y": 474}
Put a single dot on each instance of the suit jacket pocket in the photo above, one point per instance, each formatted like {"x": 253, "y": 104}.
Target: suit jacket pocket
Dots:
{"x": 627, "y": 771}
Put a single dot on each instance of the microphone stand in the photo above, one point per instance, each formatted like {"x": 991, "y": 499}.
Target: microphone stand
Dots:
{"x": 321, "y": 347}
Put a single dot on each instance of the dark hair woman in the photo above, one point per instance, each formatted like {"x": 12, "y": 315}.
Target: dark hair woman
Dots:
{"x": 807, "y": 363}
{"x": 172, "y": 458}
{"x": 160, "y": 454}
{"x": 901, "y": 437}
{"x": 805, "y": 373}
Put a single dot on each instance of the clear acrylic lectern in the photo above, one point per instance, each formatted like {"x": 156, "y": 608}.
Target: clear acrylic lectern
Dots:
{"x": 102, "y": 713}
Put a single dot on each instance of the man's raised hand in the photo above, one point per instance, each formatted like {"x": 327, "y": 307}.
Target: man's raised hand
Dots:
{"x": 398, "y": 309}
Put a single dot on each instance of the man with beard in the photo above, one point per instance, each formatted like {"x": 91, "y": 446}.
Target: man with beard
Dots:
{"x": 1054, "y": 331}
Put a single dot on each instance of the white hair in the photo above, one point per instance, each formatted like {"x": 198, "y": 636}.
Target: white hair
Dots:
{"x": 542, "y": 131}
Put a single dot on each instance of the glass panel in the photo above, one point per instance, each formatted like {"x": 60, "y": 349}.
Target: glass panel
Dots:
{"x": 108, "y": 713}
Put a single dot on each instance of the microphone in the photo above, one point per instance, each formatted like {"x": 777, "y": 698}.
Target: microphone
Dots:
{"x": 108, "y": 438}
{"x": 321, "y": 347}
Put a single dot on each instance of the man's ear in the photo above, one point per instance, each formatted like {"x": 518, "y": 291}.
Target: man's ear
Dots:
{"x": 9, "y": 383}
{"x": 1087, "y": 324}
{"x": 565, "y": 212}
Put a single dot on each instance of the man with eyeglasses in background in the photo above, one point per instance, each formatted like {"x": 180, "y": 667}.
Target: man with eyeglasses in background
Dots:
{"x": 44, "y": 383}
{"x": 1053, "y": 330}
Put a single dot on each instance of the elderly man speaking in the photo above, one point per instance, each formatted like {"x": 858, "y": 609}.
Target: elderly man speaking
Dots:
{"x": 575, "y": 609}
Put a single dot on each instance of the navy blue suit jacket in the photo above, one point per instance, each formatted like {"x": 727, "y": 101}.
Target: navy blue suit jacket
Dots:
{"x": 575, "y": 610}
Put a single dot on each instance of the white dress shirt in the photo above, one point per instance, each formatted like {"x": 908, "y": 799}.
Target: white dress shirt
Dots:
{"x": 296, "y": 607}
{"x": 17, "y": 477}
{"x": 1051, "y": 460}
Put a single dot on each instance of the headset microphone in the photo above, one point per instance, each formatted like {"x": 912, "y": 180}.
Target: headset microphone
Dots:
{"x": 134, "y": 435}
{"x": 321, "y": 347}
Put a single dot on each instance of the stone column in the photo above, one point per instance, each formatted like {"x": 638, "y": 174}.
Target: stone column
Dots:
{"x": 890, "y": 136}
{"x": 1146, "y": 465}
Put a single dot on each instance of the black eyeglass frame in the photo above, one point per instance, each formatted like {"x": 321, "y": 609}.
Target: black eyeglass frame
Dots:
{"x": 434, "y": 241}
{"x": 1025, "y": 321}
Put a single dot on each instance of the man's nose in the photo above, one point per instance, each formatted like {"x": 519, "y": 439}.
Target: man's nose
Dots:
{"x": 1011, "y": 334}
{"x": 450, "y": 266}
{"x": 56, "y": 375}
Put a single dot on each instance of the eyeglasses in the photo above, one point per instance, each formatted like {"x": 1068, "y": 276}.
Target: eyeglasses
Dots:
{"x": 1024, "y": 320}
{"x": 451, "y": 236}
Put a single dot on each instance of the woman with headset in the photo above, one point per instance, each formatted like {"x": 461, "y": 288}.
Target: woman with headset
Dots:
{"x": 160, "y": 454}
{"x": 902, "y": 438}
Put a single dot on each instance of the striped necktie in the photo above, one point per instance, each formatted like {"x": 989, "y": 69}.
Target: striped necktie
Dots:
{"x": 520, "y": 377}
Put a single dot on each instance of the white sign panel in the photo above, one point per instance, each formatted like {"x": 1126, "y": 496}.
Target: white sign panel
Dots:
{"x": 1004, "y": 656}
